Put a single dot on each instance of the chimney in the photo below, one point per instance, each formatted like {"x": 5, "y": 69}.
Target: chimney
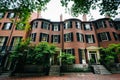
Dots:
{"x": 38, "y": 14}
{"x": 84, "y": 17}
{"x": 61, "y": 17}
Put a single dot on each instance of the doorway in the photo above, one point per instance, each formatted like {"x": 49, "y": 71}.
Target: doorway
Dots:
{"x": 93, "y": 57}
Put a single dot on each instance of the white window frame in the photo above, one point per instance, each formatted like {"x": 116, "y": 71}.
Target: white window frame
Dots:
{"x": 34, "y": 24}
{"x": 55, "y": 38}
{"x": 44, "y": 37}
{"x": 90, "y": 39}
{"x": 87, "y": 26}
{"x": 80, "y": 37}
{"x": 105, "y": 35}
{"x": 2, "y": 40}
{"x": 78, "y": 24}
{"x": 45, "y": 25}
{"x": 55, "y": 27}
{"x": 7, "y": 25}
{"x": 1, "y": 15}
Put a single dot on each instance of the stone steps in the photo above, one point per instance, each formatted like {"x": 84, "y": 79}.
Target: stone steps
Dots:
{"x": 54, "y": 70}
{"x": 100, "y": 69}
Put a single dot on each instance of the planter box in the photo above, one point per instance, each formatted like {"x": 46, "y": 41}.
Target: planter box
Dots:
{"x": 33, "y": 68}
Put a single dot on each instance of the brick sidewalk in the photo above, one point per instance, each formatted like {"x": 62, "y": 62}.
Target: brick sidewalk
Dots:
{"x": 69, "y": 76}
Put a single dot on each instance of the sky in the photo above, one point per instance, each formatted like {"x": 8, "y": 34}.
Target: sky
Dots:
{"x": 54, "y": 10}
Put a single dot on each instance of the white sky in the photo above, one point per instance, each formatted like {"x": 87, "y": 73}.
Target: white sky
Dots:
{"x": 54, "y": 10}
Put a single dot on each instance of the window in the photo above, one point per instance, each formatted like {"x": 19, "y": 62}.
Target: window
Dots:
{"x": 80, "y": 37}
{"x": 78, "y": 25}
{"x": 68, "y": 37}
{"x": 7, "y": 26}
{"x": 11, "y": 15}
{"x": 101, "y": 24}
{"x": 68, "y": 25}
{"x": 44, "y": 37}
{"x": 70, "y": 51}
{"x": 87, "y": 26}
{"x": 33, "y": 37}
{"x": 35, "y": 24}
{"x": 111, "y": 23}
{"x": 45, "y": 25}
{"x": 56, "y": 27}
{"x": 90, "y": 38}
{"x": 117, "y": 26}
{"x": 105, "y": 36}
{"x": 116, "y": 36}
{"x": 3, "y": 41}
{"x": 1, "y": 15}
{"x": 15, "y": 41}
{"x": 56, "y": 38}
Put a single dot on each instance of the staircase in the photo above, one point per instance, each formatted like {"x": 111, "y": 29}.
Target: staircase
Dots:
{"x": 54, "y": 70}
{"x": 5, "y": 74}
{"x": 100, "y": 69}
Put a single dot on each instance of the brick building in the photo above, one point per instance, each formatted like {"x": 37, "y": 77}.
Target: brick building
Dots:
{"x": 79, "y": 38}
{"x": 10, "y": 35}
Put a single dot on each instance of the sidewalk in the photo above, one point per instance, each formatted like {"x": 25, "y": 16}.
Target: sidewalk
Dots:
{"x": 69, "y": 76}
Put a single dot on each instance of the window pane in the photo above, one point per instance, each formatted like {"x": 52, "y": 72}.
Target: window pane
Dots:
{"x": 7, "y": 26}
{"x": 55, "y": 27}
{"x": 87, "y": 26}
{"x": 1, "y": 15}
{"x": 11, "y": 15}
{"x": 2, "y": 40}
{"x": 104, "y": 36}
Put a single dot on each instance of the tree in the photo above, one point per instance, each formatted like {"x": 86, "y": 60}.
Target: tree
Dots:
{"x": 78, "y": 6}
{"x": 66, "y": 58}
{"x": 83, "y": 6}
{"x": 110, "y": 54}
{"x": 43, "y": 52}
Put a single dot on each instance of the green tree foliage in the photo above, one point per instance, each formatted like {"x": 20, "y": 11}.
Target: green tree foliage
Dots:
{"x": 43, "y": 52}
{"x": 66, "y": 58}
{"x": 110, "y": 54}
{"x": 83, "y": 6}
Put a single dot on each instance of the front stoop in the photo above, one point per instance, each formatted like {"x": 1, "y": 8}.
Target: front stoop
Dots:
{"x": 54, "y": 70}
{"x": 100, "y": 69}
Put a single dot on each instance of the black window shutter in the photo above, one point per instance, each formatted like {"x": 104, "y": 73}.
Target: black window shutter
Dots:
{"x": 51, "y": 38}
{"x": 86, "y": 38}
{"x": 76, "y": 24}
{"x": 77, "y": 36}
{"x": 80, "y": 55}
{"x": 108, "y": 34}
{"x": 91, "y": 26}
{"x": 47, "y": 38}
{"x": 34, "y": 37}
{"x": 96, "y": 26}
{"x": 40, "y": 38}
{"x": 58, "y": 38}
{"x": 36, "y": 24}
{"x": 6, "y": 38}
{"x": 83, "y": 37}
{"x": 64, "y": 26}
{"x": 84, "y": 26}
{"x": 48, "y": 26}
{"x": 42, "y": 25}
{"x": 73, "y": 53}
{"x": 119, "y": 36}
{"x": 114, "y": 36}
{"x": 52, "y": 27}
{"x": 10, "y": 26}
{"x": 105, "y": 24}
{"x": 93, "y": 38}
{"x": 58, "y": 27}
{"x": 70, "y": 24}
{"x": 99, "y": 37}
{"x": 71, "y": 36}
